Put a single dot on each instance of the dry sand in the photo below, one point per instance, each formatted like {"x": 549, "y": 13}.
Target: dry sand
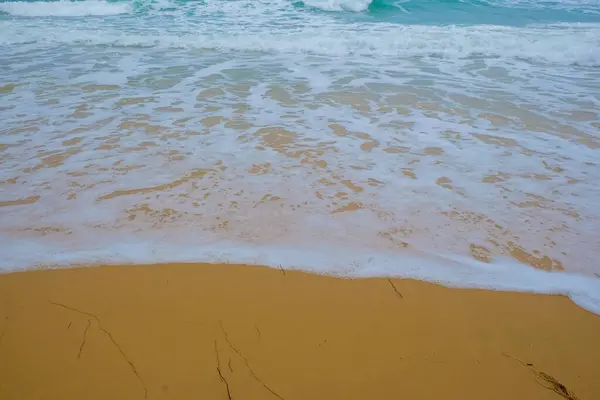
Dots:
{"x": 226, "y": 331}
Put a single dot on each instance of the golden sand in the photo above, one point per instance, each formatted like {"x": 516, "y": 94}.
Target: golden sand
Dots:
{"x": 238, "y": 332}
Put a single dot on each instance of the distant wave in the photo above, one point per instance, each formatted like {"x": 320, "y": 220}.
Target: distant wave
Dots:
{"x": 444, "y": 11}
{"x": 339, "y": 5}
{"x": 584, "y": 6}
{"x": 64, "y": 8}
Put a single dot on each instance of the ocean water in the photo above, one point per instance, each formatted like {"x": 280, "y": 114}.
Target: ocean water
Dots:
{"x": 445, "y": 140}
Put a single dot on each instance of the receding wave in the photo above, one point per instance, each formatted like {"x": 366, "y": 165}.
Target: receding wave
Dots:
{"x": 65, "y": 8}
{"x": 435, "y": 139}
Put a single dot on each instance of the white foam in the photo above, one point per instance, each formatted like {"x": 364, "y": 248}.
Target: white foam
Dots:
{"x": 339, "y": 5}
{"x": 452, "y": 271}
{"x": 490, "y": 101}
{"x": 65, "y": 8}
{"x": 567, "y": 44}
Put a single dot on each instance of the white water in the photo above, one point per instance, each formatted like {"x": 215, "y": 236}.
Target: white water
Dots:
{"x": 339, "y": 5}
{"x": 565, "y": 45}
{"x": 258, "y": 132}
{"x": 450, "y": 271}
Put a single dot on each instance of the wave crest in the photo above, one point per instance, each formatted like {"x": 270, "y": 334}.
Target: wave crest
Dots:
{"x": 339, "y": 5}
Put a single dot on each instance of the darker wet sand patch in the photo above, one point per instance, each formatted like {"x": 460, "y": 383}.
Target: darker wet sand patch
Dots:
{"x": 238, "y": 332}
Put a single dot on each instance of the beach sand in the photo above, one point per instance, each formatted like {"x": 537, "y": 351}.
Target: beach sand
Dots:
{"x": 227, "y": 331}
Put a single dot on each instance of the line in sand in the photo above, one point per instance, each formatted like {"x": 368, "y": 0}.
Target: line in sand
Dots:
{"x": 194, "y": 331}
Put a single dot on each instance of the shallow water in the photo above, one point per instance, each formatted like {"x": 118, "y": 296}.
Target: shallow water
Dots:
{"x": 443, "y": 140}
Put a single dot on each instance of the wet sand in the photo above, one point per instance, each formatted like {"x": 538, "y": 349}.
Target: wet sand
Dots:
{"x": 238, "y": 332}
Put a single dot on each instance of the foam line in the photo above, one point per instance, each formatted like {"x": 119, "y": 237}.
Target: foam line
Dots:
{"x": 452, "y": 271}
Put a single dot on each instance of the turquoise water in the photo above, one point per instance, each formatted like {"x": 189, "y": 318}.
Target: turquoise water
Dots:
{"x": 377, "y": 27}
{"x": 564, "y": 32}
{"x": 497, "y": 12}
{"x": 452, "y": 141}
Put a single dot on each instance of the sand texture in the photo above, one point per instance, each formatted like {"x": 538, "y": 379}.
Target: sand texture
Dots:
{"x": 238, "y": 332}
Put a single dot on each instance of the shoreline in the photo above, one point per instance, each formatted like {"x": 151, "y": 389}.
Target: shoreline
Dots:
{"x": 233, "y": 331}
{"x": 450, "y": 270}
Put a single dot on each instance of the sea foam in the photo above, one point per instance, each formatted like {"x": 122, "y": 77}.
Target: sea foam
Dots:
{"x": 340, "y": 138}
